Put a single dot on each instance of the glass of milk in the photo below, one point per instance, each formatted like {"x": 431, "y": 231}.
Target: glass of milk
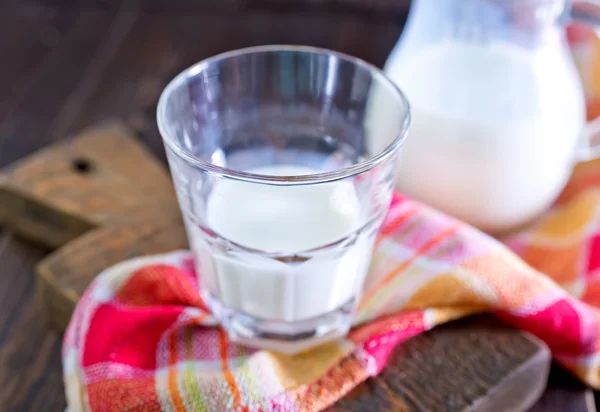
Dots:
{"x": 497, "y": 103}
{"x": 281, "y": 185}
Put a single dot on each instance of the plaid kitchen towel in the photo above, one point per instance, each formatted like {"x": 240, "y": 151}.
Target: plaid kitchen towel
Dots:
{"x": 142, "y": 339}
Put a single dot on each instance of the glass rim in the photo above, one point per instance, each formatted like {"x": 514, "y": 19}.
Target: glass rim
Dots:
{"x": 315, "y": 178}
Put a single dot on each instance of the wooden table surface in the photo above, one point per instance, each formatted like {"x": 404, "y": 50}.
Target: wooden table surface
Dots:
{"x": 65, "y": 66}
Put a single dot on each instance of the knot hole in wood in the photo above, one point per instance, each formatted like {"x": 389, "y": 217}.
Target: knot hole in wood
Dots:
{"x": 82, "y": 165}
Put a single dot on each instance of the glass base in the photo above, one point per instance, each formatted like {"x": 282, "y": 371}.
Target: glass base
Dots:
{"x": 280, "y": 336}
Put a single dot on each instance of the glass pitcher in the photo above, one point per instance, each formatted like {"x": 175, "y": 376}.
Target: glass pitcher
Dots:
{"x": 497, "y": 103}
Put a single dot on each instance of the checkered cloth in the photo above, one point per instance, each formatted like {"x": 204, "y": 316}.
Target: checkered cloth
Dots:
{"x": 142, "y": 339}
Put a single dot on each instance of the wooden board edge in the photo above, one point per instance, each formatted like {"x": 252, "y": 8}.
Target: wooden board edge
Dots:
{"x": 537, "y": 366}
{"x": 59, "y": 306}
{"x": 44, "y": 224}
{"x": 59, "y": 299}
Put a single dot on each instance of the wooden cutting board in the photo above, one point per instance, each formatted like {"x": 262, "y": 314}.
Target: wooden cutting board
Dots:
{"x": 101, "y": 198}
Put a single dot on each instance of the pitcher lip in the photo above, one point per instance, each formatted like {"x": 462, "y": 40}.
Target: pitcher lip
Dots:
{"x": 325, "y": 177}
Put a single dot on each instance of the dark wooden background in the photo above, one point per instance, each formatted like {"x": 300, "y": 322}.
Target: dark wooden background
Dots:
{"x": 65, "y": 65}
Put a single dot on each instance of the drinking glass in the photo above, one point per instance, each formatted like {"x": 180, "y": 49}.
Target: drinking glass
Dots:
{"x": 284, "y": 171}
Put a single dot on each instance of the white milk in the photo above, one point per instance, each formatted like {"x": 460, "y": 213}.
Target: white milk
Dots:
{"x": 287, "y": 220}
{"x": 494, "y": 130}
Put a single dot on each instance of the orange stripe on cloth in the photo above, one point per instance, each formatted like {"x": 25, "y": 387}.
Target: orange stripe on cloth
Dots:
{"x": 173, "y": 390}
{"x": 394, "y": 224}
{"x": 237, "y": 400}
{"x": 337, "y": 382}
{"x": 421, "y": 251}
{"x": 389, "y": 228}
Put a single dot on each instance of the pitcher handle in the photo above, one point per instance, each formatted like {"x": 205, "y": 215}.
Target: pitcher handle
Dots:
{"x": 587, "y": 12}
{"x": 590, "y": 147}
